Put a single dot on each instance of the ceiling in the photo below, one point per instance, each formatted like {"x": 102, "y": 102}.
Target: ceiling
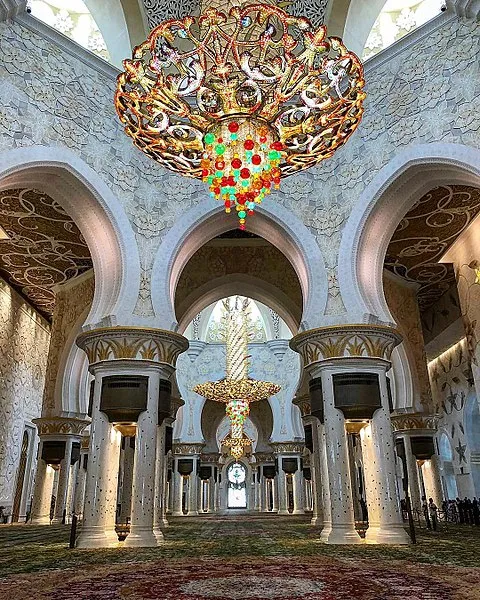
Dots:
{"x": 424, "y": 235}
{"x": 44, "y": 247}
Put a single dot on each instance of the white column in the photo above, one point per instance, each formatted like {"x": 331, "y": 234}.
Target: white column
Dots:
{"x": 70, "y": 505}
{"x": 79, "y": 497}
{"x": 98, "y": 530}
{"x": 144, "y": 470}
{"x": 63, "y": 480}
{"x": 432, "y": 480}
{"x": 316, "y": 467}
{"x": 193, "y": 489}
{"x": 342, "y": 517}
{"x": 371, "y": 488}
{"x": 412, "y": 471}
{"x": 298, "y": 491}
{"x": 177, "y": 491}
{"x": 128, "y": 463}
{"x": 282, "y": 489}
{"x": 390, "y": 526}
{"x": 211, "y": 492}
{"x": 42, "y": 494}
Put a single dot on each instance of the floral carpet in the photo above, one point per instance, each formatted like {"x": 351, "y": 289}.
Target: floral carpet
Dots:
{"x": 239, "y": 559}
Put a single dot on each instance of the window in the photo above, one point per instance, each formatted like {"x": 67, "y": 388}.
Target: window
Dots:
{"x": 73, "y": 19}
{"x": 399, "y": 17}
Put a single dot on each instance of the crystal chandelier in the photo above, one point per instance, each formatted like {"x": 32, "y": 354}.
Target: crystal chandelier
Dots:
{"x": 240, "y": 99}
{"x": 237, "y": 391}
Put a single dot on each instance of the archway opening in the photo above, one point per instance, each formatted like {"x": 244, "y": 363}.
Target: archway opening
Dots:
{"x": 237, "y": 485}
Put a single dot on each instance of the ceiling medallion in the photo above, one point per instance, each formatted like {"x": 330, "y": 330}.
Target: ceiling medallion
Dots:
{"x": 240, "y": 100}
{"x": 237, "y": 390}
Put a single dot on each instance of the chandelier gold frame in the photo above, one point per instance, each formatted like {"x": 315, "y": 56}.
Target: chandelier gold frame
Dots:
{"x": 199, "y": 89}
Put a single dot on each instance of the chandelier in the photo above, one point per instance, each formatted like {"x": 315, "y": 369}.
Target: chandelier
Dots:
{"x": 240, "y": 99}
{"x": 237, "y": 391}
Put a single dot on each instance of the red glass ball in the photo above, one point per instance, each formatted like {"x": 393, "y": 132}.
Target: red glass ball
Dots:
{"x": 236, "y": 163}
{"x": 256, "y": 159}
{"x": 233, "y": 127}
{"x": 205, "y": 173}
{"x": 241, "y": 199}
{"x": 245, "y": 173}
{"x": 277, "y": 146}
{"x": 263, "y": 139}
{"x": 216, "y": 191}
{"x": 219, "y": 165}
{"x": 249, "y": 145}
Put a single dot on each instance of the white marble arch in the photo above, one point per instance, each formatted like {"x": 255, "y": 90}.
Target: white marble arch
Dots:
{"x": 272, "y": 221}
{"x": 72, "y": 386}
{"x": 379, "y": 210}
{"x": 243, "y": 285}
{"x": 96, "y": 211}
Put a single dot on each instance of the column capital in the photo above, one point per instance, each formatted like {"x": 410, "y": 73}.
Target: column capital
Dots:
{"x": 210, "y": 458}
{"x": 345, "y": 341}
{"x": 132, "y": 343}
{"x": 414, "y": 424}
{"x": 60, "y": 427}
{"x": 304, "y": 404}
{"x": 264, "y": 457}
{"x": 175, "y": 404}
{"x": 287, "y": 447}
{"x": 187, "y": 449}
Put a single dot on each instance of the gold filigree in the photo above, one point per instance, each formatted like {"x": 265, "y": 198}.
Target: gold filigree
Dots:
{"x": 60, "y": 426}
{"x": 116, "y": 343}
{"x": 368, "y": 341}
{"x": 414, "y": 421}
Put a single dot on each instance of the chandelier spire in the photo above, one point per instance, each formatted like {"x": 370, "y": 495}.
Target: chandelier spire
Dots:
{"x": 237, "y": 391}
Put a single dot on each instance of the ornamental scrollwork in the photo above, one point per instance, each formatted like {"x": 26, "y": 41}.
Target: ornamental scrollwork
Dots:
{"x": 367, "y": 341}
{"x": 287, "y": 447}
{"x": 116, "y": 343}
{"x": 413, "y": 421}
{"x": 303, "y": 403}
{"x": 60, "y": 426}
{"x": 187, "y": 449}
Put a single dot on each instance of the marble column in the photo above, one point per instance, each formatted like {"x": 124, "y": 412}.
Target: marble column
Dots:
{"x": 316, "y": 468}
{"x": 127, "y": 483}
{"x": 193, "y": 489}
{"x": 341, "y": 501}
{"x": 146, "y": 355}
{"x": 79, "y": 496}
{"x": 413, "y": 480}
{"x": 281, "y": 480}
{"x": 177, "y": 490}
{"x": 42, "y": 495}
{"x": 65, "y": 469}
{"x": 98, "y": 530}
{"x": 160, "y": 509}
{"x": 298, "y": 491}
{"x": 142, "y": 532}
{"x": 432, "y": 480}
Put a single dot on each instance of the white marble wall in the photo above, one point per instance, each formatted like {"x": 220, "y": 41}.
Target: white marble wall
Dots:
{"x": 24, "y": 340}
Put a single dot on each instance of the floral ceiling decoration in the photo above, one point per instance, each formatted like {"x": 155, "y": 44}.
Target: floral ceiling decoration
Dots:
{"x": 73, "y": 19}
{"x": 240, "y": 99}
{"x": 44, "y": 246}
{"x": 424, "y": 235}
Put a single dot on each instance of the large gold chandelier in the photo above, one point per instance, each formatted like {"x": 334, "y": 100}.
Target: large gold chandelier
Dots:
{"x": 237, "y": 390}
{"x": 240, "y": 99}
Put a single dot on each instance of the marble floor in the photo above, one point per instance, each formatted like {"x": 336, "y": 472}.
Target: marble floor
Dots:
{"x": 239, "y": 558}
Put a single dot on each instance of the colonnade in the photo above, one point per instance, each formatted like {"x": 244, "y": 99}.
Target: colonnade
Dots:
{"x": 131, "y": 471}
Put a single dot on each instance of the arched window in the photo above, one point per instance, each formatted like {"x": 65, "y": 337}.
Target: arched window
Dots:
{"x": 397, "y": 18}
{"x": 73, "y": 19}
{"x": 237, "y": 486}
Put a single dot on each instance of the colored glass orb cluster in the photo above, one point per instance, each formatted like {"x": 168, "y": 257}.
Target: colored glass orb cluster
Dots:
{"x": 241, "y": 165}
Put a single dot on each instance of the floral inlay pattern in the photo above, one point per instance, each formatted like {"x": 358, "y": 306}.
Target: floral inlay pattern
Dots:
{"x": 45, "y": 248}
{"x": 425, "y": 234}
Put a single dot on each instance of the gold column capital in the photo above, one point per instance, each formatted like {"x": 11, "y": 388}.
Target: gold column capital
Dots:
{"x": 132, "y": 343}
{"x": 345, "y": 341}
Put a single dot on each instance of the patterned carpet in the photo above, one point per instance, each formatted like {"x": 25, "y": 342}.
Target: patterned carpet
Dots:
{"x": 239, "y": 559}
